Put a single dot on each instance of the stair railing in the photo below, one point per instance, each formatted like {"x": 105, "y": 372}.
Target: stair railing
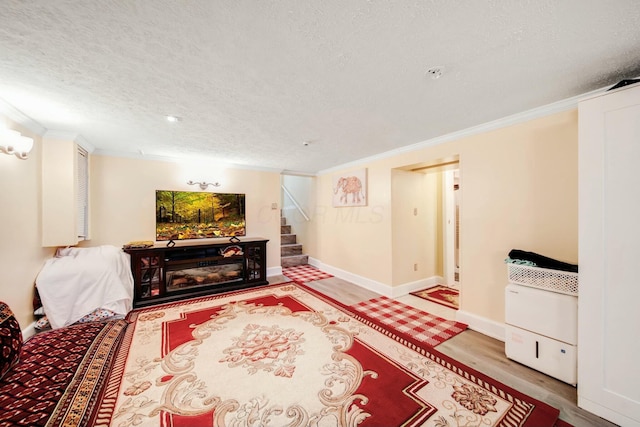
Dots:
{"x": 294, "y": 202}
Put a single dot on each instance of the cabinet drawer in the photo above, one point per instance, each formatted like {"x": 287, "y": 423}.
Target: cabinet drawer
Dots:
{"x": 554, "y": 358}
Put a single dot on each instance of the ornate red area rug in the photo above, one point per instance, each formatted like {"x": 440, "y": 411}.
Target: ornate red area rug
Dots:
{"x": 422, "y": 326}
{"x": 440, "y": 294}
{"x": 304, "y": 273}
{"x": 285, "y": 355}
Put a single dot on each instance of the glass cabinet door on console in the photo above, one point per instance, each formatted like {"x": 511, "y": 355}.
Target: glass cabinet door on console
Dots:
{"x": 187, "y": 270}
{"x": 256, "y": 262}
{"x": 147, "y": 268}
{"x": 151, "y": 276}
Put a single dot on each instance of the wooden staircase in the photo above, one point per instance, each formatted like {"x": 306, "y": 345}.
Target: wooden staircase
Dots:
{"x": 290, "y": 251}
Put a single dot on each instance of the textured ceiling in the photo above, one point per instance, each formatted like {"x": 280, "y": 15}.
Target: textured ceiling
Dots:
{"x": 254, "y": 79}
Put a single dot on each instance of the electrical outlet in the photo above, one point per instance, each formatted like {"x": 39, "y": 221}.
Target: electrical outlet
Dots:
{"x": 415, "y": 211}
{"x": 415, "y": 267}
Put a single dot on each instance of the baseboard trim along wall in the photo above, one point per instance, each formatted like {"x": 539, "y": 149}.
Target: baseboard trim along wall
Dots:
{"x": 363, "y": 282}
{"x": 480, "y": 324}
{"x": 274, "y": 271}
{"x": 407, "y": 288}
{"x": 29, "y": 331}
{"x": 604, "y": 412}
{"x": 372, "y": 285}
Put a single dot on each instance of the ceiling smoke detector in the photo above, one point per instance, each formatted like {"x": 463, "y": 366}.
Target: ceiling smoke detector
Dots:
{"x": 435, "y": 72}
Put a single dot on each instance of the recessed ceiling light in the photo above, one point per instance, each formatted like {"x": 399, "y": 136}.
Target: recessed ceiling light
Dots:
{"x": 174, "y": 119}
{"x": 306, "y": 143}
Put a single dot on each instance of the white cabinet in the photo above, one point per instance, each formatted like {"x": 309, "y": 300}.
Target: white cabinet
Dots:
{"x": 609, "y": 252}
{"x": 542, "y": 330}
{"x": 63, "y": 207}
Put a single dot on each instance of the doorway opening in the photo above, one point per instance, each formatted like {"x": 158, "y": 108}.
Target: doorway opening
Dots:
{"x": 447, "y": 253}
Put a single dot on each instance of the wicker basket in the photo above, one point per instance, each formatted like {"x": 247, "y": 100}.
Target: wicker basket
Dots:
{"x": 563, "y": 282}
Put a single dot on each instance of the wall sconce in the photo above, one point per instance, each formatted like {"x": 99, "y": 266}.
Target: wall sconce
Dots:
{"x": 203, "y": 185}
{"x": 12, "y": 142}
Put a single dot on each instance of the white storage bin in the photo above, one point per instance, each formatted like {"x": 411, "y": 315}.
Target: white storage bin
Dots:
{"x": 564, "y": 282}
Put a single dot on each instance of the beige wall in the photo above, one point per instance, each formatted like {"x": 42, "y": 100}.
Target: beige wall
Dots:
{"x": 518, "y": 190}
{"x": 122, "y": 209}
{"x": 21, "y": 251}
{"x": 122, "y": 194}
{"x": 356, "y": 239}
{"x": 414, "y": 229}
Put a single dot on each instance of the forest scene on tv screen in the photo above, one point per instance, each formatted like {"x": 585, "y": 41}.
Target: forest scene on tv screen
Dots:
{"x": 198, "y": 215}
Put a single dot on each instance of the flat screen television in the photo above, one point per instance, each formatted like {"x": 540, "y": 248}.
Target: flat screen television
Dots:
{"x": 182, "y": 215}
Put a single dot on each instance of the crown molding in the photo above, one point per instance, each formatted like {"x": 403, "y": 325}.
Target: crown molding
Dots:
{"x": 169, "y": 159}
{"x": 22, "y": 119}
{"x": 81, "y": 141}
{"x": 297, "y": 173}
{"x": 70, "y": 136}
{"x": 59, "y": 134}
{"x": 535, "y": 113}
{"x": 17, "y": 116}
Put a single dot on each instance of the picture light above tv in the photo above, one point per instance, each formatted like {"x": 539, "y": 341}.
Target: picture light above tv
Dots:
{"x": 183, "y": 215}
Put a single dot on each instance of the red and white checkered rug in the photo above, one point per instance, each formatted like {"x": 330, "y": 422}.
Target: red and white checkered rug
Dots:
{"x": 304, "y": 273}
{"x": 420, "y": 325}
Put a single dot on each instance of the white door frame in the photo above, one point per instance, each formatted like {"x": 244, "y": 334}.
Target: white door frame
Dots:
{"x": 449, "y": 227}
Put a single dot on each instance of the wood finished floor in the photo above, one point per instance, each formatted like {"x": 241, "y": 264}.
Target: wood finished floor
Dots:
{"x": 480, "y": 352}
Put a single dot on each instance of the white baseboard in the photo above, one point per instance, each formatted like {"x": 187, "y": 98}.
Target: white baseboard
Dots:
{"x": 274, "y": 271}
{"x": 377, "y": 287}
{"x": 363, "y": 282}
{"x": 29, "y": 331}
{"x": 407, "y": 288}
{"x": 481, "y": 324}
{"x": 606, "y": 413}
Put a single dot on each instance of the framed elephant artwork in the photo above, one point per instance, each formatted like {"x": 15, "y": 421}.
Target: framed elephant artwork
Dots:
{"x": 350, "y": 189}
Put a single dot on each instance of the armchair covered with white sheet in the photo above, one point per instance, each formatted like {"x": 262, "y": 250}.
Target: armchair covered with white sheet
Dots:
{"x": 80, "y": 281}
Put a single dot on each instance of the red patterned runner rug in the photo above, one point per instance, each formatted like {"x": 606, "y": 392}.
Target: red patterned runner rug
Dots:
{"x": 304, "y": 273}
{"x": 440, "y": 294}
{"x": 418, "y": 324}
{"x": 285, "y": 355}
